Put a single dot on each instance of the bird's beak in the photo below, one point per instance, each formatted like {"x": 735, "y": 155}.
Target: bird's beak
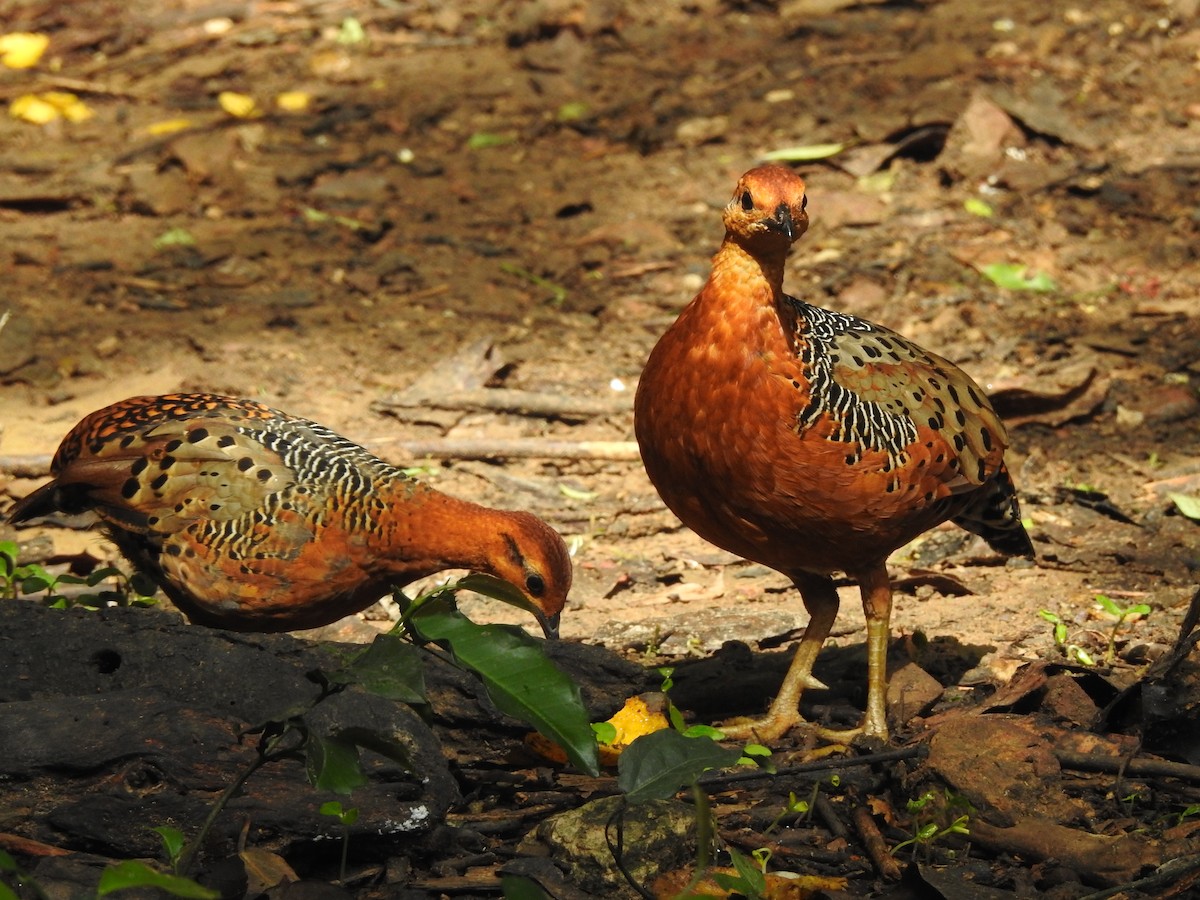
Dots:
{"x": 782, "y": 222}
{"x": 550, "y": 626}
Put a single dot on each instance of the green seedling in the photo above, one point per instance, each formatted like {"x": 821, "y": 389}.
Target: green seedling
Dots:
{"x": 1072, "y": 652}
{"x": 932, "y": 823}
{"x": 1121, "y": 614}
{"x": 345, "y": 818}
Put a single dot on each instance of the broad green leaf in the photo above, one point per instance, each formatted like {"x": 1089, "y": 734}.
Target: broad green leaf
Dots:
{"x": 333, "y": 763}
{"x": 804, "y": 153}
{"x": 7, "y": 893}
{"x": 518, "y": 676}
{"x": 390, "y": 667}
{"x": 1187, "y": 505}
{"x": 132, "y": 873}
{"x": 606, "y": 732}
{"x": 656, "y": 766}
{"x": 8, "y": 864}
{"x": 1012, "y": 277}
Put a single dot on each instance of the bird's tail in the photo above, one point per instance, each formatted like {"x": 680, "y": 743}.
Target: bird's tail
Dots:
{"x": 995, "y": 516}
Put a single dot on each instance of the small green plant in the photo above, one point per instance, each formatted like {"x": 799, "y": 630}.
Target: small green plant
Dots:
{"x": 1072, "y": 652}
{"x": 934, "y": 821}
{"x": 172, "y": 842}
{"x": 798, "y": 806}
{"x": 345, "y": 818}
{"x": 31, "y": 578}
{"x": 1193, "y": 810}
{"x": 1120, "y": 613}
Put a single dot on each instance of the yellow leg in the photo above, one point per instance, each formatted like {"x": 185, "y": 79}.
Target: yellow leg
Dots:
{"x": 877, "y": 605}
{"x": 821, "y": 600}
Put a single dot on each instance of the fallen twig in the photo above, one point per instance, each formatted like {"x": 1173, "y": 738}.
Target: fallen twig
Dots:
{"x": 508, "y": 400}
{"x": 874, "y": 844}
{"x": 513, "y": 448}
{"x": 818, "y": 765}
{"x": 1176, "y": 876}
{"x": 1142, "y": 768}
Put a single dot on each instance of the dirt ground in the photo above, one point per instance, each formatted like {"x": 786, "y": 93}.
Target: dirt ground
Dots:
{"x": 521, "y": 196}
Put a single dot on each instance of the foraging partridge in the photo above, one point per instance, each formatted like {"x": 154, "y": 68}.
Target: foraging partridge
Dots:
{"x": 812, "y": 441}
{"x": 254, "y": 520}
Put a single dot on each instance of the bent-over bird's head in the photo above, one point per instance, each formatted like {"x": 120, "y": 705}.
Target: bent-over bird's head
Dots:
{"x": 532, "y": 557}
{"x": 768, "y": 205}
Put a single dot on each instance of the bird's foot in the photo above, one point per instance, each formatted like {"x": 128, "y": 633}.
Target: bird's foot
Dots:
{"x": 775, "y": 725}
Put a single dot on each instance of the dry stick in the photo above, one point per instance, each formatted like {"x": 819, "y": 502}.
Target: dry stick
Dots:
{"x": 830, "y": 817}
{"x": 819, "y": 765}
{"x": 525, "y": 403}
{"x": 1177, "y": 875}
{"x": 874, "y": 844}
{"x": 513, "y": 448}
{"x": 1086, "y": 762}
{"x": 33, "y": 465}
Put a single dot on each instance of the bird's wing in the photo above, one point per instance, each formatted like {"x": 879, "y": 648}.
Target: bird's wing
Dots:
{"x": 160, "y": 478}
{"x": 875, "y": 388}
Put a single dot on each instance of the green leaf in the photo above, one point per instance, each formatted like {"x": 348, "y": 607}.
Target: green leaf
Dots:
{"x": 1012, "y": 277}
{"x": 172, "y": 841}
{"x": 606, "y": 732}
{"x": 335, "y": 809}
{"x": 7, "y": 893}
{"x": 573, "y": 111}
{"x": 333, "y": 763}
{"x": 657, "y": 765}
{"x": 1106, "y": 603}
{"x": 481, "y": 140}
{"x": 518, "y": 887}
{"x": 517, "y": 675}
{"x": 575, "y": 494}
{"x": 8, "y": 864}
{"x": 751, "y": 872}
{"x": 804, "y": 153}
{"x": 977, "y": 207}
{"x": 1187, "y": 505}
{"x": 391, "y": 667}
{"x": 174, "y": 237}
{"x": 132, "y": 873}
{"x": 1141, "y": 609}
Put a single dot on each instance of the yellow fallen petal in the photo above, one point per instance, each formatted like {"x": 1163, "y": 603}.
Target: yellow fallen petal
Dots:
{"x": 32, "y": 108}
{"x": 166, "y": 126}
{"x": 293, "y": 101}
{"x": 240, "y": 106}
{"x": 21, "y": 50}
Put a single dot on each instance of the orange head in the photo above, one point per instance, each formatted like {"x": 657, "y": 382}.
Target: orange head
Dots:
{"x": 531, "y": 556}
{"x": 768, "y": 207}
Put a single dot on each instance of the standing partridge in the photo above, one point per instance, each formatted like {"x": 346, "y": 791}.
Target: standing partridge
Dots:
{"x": 812, "y": 441}
{"x": 254, "y": 520}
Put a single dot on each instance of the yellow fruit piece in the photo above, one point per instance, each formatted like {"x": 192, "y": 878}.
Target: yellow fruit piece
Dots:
{"x": 636, "y": 718}
{"x": 21, "y": 50}
{"x": 240, "y": 106}
{"x": 640, "y": 715}
{"x": 293, "y": 101}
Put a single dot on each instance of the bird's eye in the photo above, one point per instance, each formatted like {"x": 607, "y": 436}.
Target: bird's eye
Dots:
{"x": 747, "y": 201}
{"x": 804, "y": 203}
{"x": 536, "y": 585}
